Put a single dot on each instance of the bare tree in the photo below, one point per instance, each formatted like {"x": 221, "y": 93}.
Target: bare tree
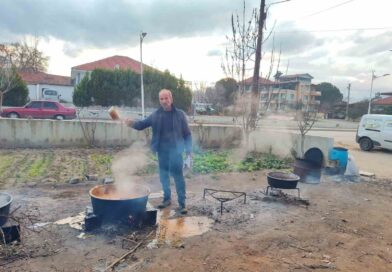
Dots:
{"x": 199, "y": 93}
{"x": 241, "y": 48}
{"x": 306, "y": 116}
{"x": 24, "y": 56}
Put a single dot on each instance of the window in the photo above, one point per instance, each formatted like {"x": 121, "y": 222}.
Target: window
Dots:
{"x": 50, "y": 92}
{"x": 34, "y": 105}
{"x": 372, "y": 123}
{"x": 50, "y": 105}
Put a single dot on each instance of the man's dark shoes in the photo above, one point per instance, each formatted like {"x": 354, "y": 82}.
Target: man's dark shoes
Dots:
{"x": 182, "y": 210}
{"x": 164, "y": 204}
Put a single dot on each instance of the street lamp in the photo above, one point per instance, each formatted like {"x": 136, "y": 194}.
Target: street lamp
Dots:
{"x": 142, "y": 35}
{"x": 371, "y": 88}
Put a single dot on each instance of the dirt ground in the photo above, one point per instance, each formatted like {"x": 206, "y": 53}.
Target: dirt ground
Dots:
{"x": 346, "y": 227}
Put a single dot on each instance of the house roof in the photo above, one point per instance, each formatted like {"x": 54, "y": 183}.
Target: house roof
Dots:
{"x": 44, "y": 78}
{"x": 295, "y": 76}
{"x": 112, "y": 63}
{"x": 383, "y": 101}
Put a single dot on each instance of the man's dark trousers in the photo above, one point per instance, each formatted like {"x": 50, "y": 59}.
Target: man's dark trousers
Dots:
{"x": 171, "y": 164}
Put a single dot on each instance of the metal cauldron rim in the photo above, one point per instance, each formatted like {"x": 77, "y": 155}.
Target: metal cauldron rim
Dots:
{"x": 9, "y": 202}
{"x": 147, "y": 192}
{"x": 294, "y": 177}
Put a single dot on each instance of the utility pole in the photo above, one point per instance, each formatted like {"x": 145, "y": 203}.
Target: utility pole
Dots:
{"x": 256, "y": 71}
{"x": 142, "y": 35}
{"x": 348, "y": 99}
{"x": 374, "y": 77}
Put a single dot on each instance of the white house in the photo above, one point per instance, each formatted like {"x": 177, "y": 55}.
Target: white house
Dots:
{"x": 38, "y": 82}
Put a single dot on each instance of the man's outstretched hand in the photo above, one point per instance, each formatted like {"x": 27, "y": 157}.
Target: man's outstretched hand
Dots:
{"x": 128, "y": 122}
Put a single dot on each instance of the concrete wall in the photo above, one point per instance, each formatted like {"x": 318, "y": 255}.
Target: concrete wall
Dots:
{"x": 284, "y": 143}
{"x": 31, "y": 133}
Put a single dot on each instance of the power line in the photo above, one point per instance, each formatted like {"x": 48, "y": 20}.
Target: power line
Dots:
{"x": 327, "y": 9}
{"x": 324, "y": 10}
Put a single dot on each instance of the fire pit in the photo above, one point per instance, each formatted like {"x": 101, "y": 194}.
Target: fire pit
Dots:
{"x": 111, "y": 203}
{"x": 280, "y": 180}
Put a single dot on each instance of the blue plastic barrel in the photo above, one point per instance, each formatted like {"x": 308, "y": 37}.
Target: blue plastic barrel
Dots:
{"x": 339, "y": 154}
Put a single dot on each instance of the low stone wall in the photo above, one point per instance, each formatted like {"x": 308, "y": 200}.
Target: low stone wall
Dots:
{"x": 30, "y": 133}
{"x": 286, "y": 144}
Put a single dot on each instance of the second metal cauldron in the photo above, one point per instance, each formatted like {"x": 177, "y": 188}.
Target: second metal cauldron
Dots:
{"x": 282, "y": 180}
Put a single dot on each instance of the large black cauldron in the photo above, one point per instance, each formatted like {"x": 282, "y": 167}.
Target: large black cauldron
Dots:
{"x": 282, "y": 180}
{"x": 5, "y": 204}
{"x": 114, "y": 203}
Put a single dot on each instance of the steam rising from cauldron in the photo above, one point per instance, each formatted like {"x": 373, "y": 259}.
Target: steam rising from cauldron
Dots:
{"x": 125, "y": 165}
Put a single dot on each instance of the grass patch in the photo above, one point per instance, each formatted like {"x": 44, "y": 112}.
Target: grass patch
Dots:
{"x": 257, "y": 161}
{"x": 5, "y": 162}
{"x": 102, "y": 159}
{"x": 211, "y": 162}
{"x": 39, "y": 167}
{"x": 102, "y": 162}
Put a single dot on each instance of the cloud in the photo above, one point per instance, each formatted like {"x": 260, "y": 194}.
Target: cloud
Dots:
{"x": 72, "y": 50}
{"x": 292, "y": 39}
{"x": 214, "y": 53}
{"x": 368, "y": 46}
{"x": 101, "y": 24}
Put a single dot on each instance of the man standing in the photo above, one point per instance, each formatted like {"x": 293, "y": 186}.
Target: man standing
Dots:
{"x": 170, "y": 137}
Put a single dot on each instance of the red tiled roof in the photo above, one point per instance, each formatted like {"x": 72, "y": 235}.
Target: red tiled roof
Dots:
{"x": 383, "y": 101}
{"x": 44, "y": 78}
{"x": 262, "y": 80}
{"x": 112, "y": 63}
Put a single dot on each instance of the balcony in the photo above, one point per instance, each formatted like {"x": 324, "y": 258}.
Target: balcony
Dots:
{"x": 315, "y": 93}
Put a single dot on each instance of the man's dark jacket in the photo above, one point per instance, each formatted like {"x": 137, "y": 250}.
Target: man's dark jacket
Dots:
{"x": 181, "y": 133}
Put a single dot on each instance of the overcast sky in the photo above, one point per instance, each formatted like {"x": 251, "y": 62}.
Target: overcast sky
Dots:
{"x": 337, "y": 41}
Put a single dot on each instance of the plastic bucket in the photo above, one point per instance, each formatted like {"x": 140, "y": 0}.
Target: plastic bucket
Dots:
{"x": 339, "y": 154}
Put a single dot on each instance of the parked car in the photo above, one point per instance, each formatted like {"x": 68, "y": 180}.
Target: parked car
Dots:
{"x": 40, "y": 109}
{"x": 375, "y": 130}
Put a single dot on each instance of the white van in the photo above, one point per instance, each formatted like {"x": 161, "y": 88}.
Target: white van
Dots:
{"x": 52, "y": 95}
{"x": 375, "y": 130}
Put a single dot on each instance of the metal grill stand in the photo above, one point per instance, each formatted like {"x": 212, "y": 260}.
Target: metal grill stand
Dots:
{"x": 268, "y": 187}
{"x": 213, "y": 193}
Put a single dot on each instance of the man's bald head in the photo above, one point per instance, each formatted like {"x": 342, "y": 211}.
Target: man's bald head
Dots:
{"x": 166, "y": 99}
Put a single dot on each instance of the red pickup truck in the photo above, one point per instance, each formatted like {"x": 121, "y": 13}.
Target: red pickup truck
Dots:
{"x": 41, "y": 110}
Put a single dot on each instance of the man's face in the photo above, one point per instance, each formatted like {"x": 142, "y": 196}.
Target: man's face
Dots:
{"x": 166, "y": 100}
